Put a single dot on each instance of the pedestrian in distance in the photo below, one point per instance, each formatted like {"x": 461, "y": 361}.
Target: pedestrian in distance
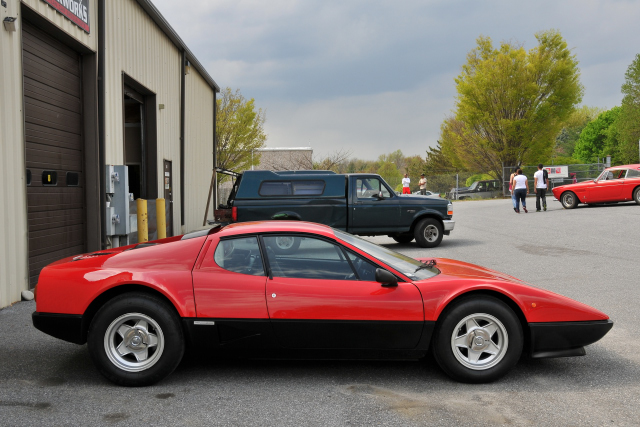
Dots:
{"x": 423, "y": 185}
{"x": 541, "y": 184}
{"x": 513, "y": 194}
{"x": 520, "y": 190}
{"x": 405, "y": 184}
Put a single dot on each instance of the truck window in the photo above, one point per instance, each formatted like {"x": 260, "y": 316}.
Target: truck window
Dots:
{"x": 367, "y": 188}
{"x": 291, "y": 188}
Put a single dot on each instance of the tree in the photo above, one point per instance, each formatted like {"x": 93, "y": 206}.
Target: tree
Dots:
{"x": 239, "y": 131}
{"x": 335, "y": 161}
{"x": 628, "y": 124}
{"x": 599, "y": 138}
{"x": 511, "y": 103}
{"x": 390, "y": 173}
{"x": 571, "y": 129}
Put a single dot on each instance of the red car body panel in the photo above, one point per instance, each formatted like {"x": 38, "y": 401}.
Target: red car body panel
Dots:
{"x": 69, "y": 286}
{"x": 616, "y": 190}
{"x": 209, "y": 291}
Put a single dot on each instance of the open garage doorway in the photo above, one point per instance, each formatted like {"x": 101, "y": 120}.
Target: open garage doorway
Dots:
{"x": 140, "y": 144}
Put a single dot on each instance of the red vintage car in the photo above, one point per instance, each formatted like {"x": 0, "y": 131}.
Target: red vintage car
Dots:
{"x": 232, "y": 291}
{"x": 615, "y": 184}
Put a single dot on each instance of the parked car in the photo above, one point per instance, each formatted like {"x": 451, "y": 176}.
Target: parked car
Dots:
{"x": 229, "y": 291}
{"x": 362, "y": 204}
{"x": 478, "y": 190}
{"x": 427, "y": 193}
{"x": 614, "y": 184}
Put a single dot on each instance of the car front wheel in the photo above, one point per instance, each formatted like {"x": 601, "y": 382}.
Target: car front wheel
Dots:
{"x": 136, "y": 340}
{"x": 428, "y": 233}
{"x": 569, "y": 200}
{"x": 636, "y": 195}
{"x": 478, "y": 340}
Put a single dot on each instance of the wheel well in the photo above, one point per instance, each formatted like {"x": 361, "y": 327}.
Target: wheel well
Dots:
{"x": 108, "y": 295}
{"x": 420, "y": 218}
{"x": 502, "y": 297}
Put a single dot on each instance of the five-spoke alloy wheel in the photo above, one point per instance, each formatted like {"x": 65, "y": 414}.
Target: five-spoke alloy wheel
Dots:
{"x": 478, "y": 339}
{"x": 136, "y": 339}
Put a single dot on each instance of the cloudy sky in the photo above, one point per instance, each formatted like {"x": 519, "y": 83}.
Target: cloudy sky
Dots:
{"x": 375, "y": 76}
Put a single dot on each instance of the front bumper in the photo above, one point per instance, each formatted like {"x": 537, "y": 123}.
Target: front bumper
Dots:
{"x": 67, "y": 327}
{"x": 448, "y": 225}
{"x": 563, "y": 339}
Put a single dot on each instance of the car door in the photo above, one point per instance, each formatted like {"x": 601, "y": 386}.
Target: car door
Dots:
{"x": 229, "y": 290}
{"x": 368, "y": 211}
{"x": 317, "y": 300}
{"x": 607, "y": 189}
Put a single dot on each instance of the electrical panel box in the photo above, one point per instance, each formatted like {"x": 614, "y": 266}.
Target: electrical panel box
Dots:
{"x": 117, "y": 189}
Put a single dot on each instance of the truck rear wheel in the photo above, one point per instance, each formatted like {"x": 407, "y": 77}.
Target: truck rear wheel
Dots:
{"x": 428, "y": 233}
{"x": 403, "y": 238}
{"x": 287, "y": 245}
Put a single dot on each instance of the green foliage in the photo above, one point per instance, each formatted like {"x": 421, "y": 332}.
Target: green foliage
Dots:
{"x": 628, "y": 125}
{"x": 390, "y": 173}
{"x": 511, "y": 103}
{"x": 477, "y": 177}
{"x": 571, "y": 129}
{"x": 599, "y": 138}
{"x": 239, "y": 131}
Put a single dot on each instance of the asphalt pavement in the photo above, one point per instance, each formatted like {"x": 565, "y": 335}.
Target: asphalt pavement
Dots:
{"x": 590, "y": 254}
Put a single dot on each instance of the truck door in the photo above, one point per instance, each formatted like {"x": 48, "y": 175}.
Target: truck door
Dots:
{"x": 374, "y": 206}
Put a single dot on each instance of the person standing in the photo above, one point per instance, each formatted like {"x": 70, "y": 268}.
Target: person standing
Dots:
{"x": 520, "y": 190}
{"x": 423, "y": 185}
{"x": 513, "y": 194}
{"x": 405, "y": 184}
{"x": 541, "y": 184}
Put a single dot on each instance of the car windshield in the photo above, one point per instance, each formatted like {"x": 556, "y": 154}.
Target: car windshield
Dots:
{"x": 413, "y": 269}
{"x": 474, "y": 185}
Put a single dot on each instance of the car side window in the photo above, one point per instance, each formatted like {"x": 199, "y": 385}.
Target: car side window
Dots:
{"x": 633, "y": 173}
{"x": 314, "y": 259}
{"x": 240, "y": 255}
{"x": 368, "y": 188}
{"x": 365, "y": 270}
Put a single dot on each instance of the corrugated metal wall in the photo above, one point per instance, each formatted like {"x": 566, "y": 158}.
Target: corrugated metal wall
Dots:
{"x": 198, "y": 149}
{"x": 137, "y": 47}
{"x": 90, "y": 40}
{"x": 13, "y": 212}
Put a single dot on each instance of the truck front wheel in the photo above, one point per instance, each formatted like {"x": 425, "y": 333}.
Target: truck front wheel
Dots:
{"x": 428, "y": 233}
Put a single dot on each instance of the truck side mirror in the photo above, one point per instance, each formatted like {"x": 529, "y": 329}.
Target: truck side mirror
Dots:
{"x": 386, "y": 278}
{"x": 380, "y": 196}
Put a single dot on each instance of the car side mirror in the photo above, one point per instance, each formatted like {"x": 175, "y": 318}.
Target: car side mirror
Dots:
{"x": 379, "y": 195}
{"x": 386, "y": 278}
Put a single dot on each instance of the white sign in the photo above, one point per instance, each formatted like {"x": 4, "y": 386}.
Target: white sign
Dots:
{"x": 557, "y": 171}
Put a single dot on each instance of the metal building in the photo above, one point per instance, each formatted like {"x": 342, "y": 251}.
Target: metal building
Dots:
{"x": 85, "y": 84}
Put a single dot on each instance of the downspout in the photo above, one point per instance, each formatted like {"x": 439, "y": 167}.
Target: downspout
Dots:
{"x": 101, "y": 119}
{"x": 182, "y": 142}
{"x": 215, "y": 154}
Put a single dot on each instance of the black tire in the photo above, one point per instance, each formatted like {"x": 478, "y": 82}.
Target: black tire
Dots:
{"x": 403, "y": 238}
{"x": 496, "y": 333}
{"x": 569, "y": 200}
{"x": 286, "y": 245}
{"x": 636, "y": 195}
{"x": 428, "y": 233}
{"x": 153, "y": 332}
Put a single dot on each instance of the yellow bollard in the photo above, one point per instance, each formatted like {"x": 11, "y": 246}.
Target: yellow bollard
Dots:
{"x": 143, "y": 221}
{"x": 161, "y": 218}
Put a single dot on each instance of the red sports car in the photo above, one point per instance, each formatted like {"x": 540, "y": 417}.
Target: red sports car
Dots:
{"x": 231, "y": 290}
{"x": 615, "y": 184}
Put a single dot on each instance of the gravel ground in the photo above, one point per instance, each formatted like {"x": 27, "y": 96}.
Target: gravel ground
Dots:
{"x": 590, "y": 254}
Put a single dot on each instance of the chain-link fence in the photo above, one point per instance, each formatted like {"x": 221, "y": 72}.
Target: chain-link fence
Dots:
{"x": 447, "y": 185}
{"x": 575, "y": 173}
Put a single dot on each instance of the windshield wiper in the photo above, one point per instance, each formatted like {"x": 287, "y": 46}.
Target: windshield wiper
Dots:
{"x": 429, "y": 264}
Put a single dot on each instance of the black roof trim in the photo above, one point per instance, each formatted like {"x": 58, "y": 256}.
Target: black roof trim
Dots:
{"x": 175, "y": 38}
{"x": 201, "y": 233}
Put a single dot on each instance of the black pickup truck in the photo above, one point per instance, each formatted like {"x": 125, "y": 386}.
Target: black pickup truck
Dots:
{"x": 362, "y": 204}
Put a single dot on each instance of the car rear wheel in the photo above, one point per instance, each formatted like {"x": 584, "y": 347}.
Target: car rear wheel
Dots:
{"x": 478, "y": 340}
{"x": 403, "y": 238}
{"x": 569, "y": 200}
{"x": 287, "y": 244}
{"x": 636, "y": 195}
{"x": 428, "y": 233}
{"x": 136, "y": 340}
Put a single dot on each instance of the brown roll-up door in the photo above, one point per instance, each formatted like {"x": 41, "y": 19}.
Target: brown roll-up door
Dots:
{"x": 54, "y": 149}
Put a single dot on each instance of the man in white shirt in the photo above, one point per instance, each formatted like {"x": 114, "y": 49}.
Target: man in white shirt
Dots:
{"x": 541, "y": 184}
{"x": 405, "y": 184}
